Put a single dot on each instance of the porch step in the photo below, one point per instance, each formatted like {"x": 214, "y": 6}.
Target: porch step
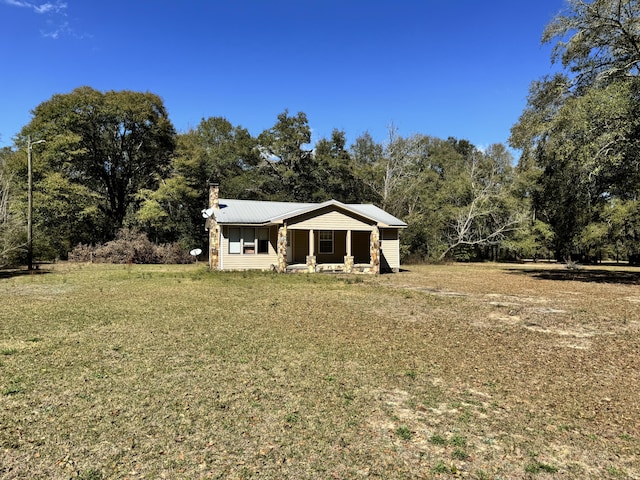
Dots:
{"x": 328, "y": 268}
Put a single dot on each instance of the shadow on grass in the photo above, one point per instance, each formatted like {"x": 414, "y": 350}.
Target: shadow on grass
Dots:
{"x": 20, "y": 272}
{"x": 589, "y": 276}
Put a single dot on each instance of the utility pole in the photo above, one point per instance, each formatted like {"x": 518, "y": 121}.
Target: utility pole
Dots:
{"x": 30, "y": 206}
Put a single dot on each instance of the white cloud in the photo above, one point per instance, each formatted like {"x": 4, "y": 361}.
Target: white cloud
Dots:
{"x": 57, "y": 7}
{"x": 54, "y": 11}
{"x": 59, "y": 30}
{"x": 48, "y": 7}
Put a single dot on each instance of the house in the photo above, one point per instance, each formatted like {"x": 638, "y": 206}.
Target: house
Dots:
{"x": 305, "y": 237}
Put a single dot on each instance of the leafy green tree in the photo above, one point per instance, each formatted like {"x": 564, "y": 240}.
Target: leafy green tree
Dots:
{"x": 340, "y": 172}
{"x": 596, "y": 41}
{"x": 581, "y": 127}
{"x": 12, "y": 223}
{"x": 65, "y": 214}
{"x": 366, "y": 151}
{"x": 288, "y": 163}
{"x": 113, "y": 143}
{"x": 623, "y": 220}
{"x": 214, "y": 152}
{"x": 219, "y": 152}
{"x": 534, "y": 240}
{"x": 593, "y": 243}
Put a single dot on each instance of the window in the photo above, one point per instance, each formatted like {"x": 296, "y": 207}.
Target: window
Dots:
{"x": 249, "y": 240}
{"x": 249, "y": 244}
{"x": 325, "y": 241}
{"x": 234, "y": 240}
{"x": 263, "y": 240}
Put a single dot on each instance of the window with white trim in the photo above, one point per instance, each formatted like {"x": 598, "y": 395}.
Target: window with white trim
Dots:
{"x": 235, "y": 240}
{"x": 325, "y": 241}
{"x": 248, "y": 240}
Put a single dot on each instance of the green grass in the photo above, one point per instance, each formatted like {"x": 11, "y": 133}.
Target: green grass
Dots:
{"x": 176, "y": 372}
{"x": 404, "y": 433}
{"x": 437, "y": 440}
{"x": 538, "y": 467}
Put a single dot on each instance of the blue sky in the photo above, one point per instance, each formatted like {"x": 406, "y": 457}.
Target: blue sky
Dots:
{"x": 458, "y": 68}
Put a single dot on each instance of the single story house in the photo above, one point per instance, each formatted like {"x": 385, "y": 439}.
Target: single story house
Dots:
{"x": 304, "y": 237}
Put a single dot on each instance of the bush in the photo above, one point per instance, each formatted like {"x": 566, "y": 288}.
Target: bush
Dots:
{"x": 81, "y": 253}
{"x": 130, "y": 246}
{"x": 172, "y": 253}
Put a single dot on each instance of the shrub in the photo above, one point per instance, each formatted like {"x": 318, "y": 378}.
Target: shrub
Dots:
{"x": 172, "y": 253}
{"x": 81, "y": 253}
{"x": 130, "y": 246}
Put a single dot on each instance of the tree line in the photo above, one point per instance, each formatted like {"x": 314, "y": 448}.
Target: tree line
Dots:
{"x": 580, "y": 132}
{"x": 113, "y": 160}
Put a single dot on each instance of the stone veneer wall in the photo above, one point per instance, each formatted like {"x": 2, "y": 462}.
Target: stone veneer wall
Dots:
{"x": 282, "y": 249}
{"x": 374, "y": 250}
{"x": 214, "y": 229}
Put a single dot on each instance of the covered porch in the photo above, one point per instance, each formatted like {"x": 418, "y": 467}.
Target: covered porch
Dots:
{"x": 339, "y": 251}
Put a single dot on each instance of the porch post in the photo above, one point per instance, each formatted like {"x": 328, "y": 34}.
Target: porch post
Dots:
{"x": 282, "y": 249}
{"x": 348, "y": 259}
{"x": 311, "y": 258}
{"x": 374, "y": 250}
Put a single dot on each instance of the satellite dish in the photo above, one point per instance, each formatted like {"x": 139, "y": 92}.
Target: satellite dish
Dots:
{"x": 195, "y": 252}
{"x": 207, "y": 213}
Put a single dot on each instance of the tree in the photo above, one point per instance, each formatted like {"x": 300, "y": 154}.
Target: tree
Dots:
{"x": 214, "y": 152}
{"x": 603, "y": 43}
{"x": 622, "y": 218}
{"x": 339, "y": 171}
{"x": 113, "y": 143}
{"x": 65, "y": 215}
{"x": 12, "y": 232}
{"x": 385, "y": 168}
{"x": 426, "y": 192}
{"x": 452, "y": 196}
{"x": 289, "y": 165}
{"x": 367, "y": 155}
{"x": 581, "y": 127}
{"x": 487, "y": 213}
{"x": 396, "y": 165}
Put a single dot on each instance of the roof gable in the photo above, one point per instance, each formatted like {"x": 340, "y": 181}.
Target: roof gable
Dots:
{"x": 330, "y": 217}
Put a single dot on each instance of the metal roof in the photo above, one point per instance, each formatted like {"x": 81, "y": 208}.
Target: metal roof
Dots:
{"x": 371, "y": 211}
{"x": 264, "y": 213}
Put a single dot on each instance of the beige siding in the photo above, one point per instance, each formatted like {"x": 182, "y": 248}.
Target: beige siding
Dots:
{"x": 255, "y": 261}
{"x": 390, "y": 248}
{"x": 329, "y": 219}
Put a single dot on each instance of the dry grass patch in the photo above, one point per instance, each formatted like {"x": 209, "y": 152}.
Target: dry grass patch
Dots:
{"x": 175, "y": 372}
